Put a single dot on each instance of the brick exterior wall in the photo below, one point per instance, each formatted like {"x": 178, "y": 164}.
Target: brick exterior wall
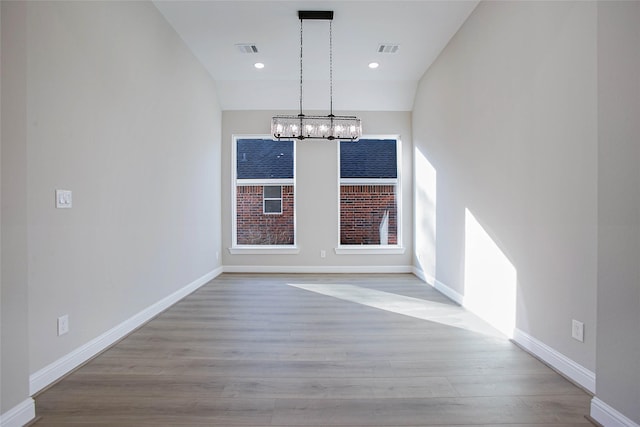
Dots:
{"x": 362, "y": 208}
{"x": 256, "y": 228}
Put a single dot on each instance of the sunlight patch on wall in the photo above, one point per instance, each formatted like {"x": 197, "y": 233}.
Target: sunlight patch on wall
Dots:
{"x": 425, "y": 213}
{"x": 449, "y": 314}
{"x": 490, "y": 278}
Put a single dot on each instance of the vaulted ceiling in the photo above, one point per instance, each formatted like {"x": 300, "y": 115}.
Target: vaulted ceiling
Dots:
{"x": 212, "y": 29}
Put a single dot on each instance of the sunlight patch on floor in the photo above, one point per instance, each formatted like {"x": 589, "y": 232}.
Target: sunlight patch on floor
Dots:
{"x": 445, "y": 314}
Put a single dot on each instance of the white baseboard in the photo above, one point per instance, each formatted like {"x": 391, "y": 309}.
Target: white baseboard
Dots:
{"x": 572, "y": 370}
{"x": 420, "y": 274}
{"x": 448, "y": 292}
{"x": 609, "y": 417}
{"x": 19, "y": 415}
{"x": 439, "y": 286}
{"x": 317, "y": 269}
{"x": 56, "y": 370}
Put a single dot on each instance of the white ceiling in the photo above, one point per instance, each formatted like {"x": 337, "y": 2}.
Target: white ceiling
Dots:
{"x": 212, "y": 29}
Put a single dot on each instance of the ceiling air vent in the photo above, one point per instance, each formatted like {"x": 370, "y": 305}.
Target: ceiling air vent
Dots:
{"x": 388, "y": 48}
{"x": 247, "y": 48}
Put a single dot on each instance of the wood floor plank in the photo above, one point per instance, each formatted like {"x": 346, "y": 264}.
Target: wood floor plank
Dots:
{"x": 338, "y": 388}
{"x": 314, "y": 350}
{"x": 514, "y": 385}
{"x": 408, "y": 412}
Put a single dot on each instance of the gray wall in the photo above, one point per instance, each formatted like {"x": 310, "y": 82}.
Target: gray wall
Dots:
{"x": 1, "y": 333}
{"x": 618, "y": 351}
{"x": 317, "y": 196}
{"x": 505, "y": 120}
{"x": 107, "y": 102}
{"x": 14, "y": 370}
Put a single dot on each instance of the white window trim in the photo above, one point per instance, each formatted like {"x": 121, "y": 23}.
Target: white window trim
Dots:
{"x": 369, "y": 249}
{"x": 261, "y": 250}
{"x": 237, "y": 249}
{"x": 368, "y": 181}
{"x": 249, "y": 182}
{"x": 397, "y": 249}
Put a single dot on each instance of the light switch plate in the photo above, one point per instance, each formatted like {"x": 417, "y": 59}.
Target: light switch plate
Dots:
{"x": 64, "y": 199}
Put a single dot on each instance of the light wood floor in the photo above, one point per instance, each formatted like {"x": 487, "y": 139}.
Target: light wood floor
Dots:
{"x": 314, "y": 350}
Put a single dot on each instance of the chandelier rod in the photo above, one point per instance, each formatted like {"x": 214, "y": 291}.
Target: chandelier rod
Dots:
{"x": 331, "y": 68}
{"x": 301, "y": 44}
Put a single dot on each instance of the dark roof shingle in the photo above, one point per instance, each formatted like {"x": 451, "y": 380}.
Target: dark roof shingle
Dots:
{"x": 269, "y": 159}
{"x": 264, "y": 159}
{"x": 368, "y": 158}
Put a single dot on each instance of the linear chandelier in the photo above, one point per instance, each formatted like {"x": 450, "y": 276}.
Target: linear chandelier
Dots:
{"x": 327, "y": 127}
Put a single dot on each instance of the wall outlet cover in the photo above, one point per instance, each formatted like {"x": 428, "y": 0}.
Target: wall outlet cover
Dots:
{"x": 63, "y": 324}
{"x": 577, "y": 330}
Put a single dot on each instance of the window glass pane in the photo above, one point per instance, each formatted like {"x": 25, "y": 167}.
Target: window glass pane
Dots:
{"x": 256, "y": 227}
{"x": 273, "y": 206}
{"x": 368, "y": 158}
{"x": 264, "y": 159}
{"x": 265, "y": 211}
{"x": 272, "y": 192}
{"x": 260, "y": 223}
{"x": 368, "y": 215}
{"x": 369, "y": 207}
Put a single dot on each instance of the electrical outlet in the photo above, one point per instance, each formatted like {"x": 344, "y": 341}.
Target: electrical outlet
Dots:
{"x": 63, "y": 324}
{"x": 323, "y": 253}
{"x": 577, "y": 330}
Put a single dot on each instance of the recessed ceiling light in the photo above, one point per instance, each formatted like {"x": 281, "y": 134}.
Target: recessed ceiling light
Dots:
{"x": 373, "y": 65}
{"x": 259, "y": 65}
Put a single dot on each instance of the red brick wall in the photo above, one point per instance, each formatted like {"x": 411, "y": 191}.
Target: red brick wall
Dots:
{"x": 362, "y": 208}
{"x": 256, "y": 228}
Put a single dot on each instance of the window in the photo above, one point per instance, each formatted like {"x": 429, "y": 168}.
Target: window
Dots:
{"x": 369, "y": 193}
{"x": 263, "y": 192}
{"x": 272, "y": 196}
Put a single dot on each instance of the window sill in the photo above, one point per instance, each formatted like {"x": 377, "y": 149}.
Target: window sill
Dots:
{"x": 264, "y": 250}
{"x": 369, "y": 249}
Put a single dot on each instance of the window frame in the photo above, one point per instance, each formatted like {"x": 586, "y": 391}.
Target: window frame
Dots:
{"x": 239, "y": 249}
{"x": 395, "y": 249}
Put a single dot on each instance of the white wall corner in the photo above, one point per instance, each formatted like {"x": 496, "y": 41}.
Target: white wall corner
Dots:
{"x": 19, "y": 415}
{"x": 56, "y": 370}
{"x": 420, "y": 274}
{"x": 569, "y": 368}
{"x": 609, "y": 417}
